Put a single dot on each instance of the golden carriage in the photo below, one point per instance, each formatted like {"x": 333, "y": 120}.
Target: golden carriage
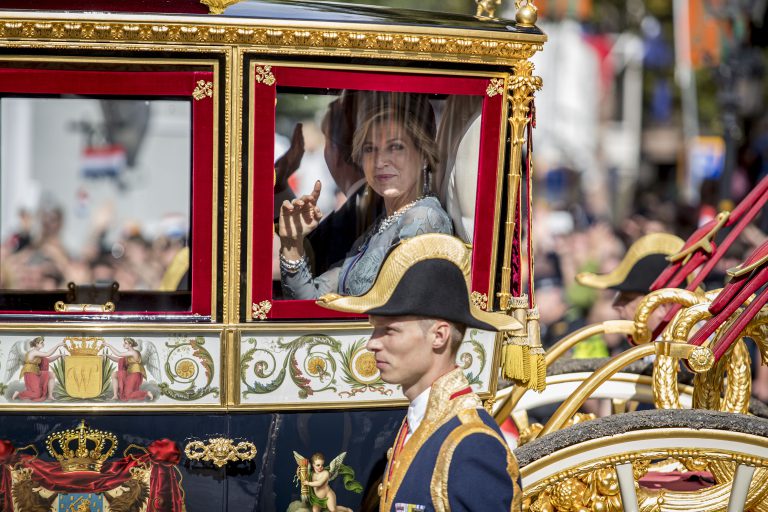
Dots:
{"x": 140, "y": 292}
{"x": 167, "y": 118}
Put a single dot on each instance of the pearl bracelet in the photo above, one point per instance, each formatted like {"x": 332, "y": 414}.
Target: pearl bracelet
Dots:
{"x": 292, "y": 266}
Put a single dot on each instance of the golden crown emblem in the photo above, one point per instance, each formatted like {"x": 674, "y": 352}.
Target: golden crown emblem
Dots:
{"x": 84, "y": 345}
{"x": 81, "y": 448}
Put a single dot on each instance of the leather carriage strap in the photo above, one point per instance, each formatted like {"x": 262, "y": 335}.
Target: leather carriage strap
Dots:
{"x": 734, "y": 332}
{"x": 676, "y": 273}
{"x": 732, "y": 297}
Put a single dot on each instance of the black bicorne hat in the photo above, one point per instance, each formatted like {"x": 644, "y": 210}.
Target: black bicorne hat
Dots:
{"x": 642, "y": 274}
{"x": 425, "y": 276}
{"x": 645, "y": 260}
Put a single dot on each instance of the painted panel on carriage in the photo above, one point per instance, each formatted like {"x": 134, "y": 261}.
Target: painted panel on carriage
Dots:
{"x": 334, "y": 366}
{"x": 126, "y": 369}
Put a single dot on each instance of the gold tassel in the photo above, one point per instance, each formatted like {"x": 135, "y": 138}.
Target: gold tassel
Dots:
{"x": 538, "y": 374}
{"x": 542, "y": 384}
{"x": 525, "y": 356}
{"x": 515, "y": 359}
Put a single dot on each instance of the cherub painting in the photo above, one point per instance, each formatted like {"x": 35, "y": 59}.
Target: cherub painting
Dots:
{"x": 34, "y": 362}
{"x": 315, "y": 479}
{"x": 132, "y": 366}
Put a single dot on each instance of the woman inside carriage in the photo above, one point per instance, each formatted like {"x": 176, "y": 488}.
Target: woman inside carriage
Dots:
{"x": 396, "y": 149}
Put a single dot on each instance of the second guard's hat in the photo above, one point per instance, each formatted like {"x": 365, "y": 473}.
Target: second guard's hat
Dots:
{"x": 645, "y": 260}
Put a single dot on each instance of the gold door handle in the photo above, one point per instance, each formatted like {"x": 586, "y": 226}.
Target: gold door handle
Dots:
{"x": 62, "y": 307}
{"x": 220, "y": 450}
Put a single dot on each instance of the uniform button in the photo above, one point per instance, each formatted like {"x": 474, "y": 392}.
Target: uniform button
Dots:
{"x": 389, "y": 454}
{"x": 381, "y": 489}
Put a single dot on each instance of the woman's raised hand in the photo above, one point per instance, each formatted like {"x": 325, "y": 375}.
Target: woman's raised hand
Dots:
{"x": 299, "y": 217}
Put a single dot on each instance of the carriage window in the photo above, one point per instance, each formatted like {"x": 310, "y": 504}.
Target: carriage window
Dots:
{"x": 373, "y": 167}
{"x": 107, "y": 180}
{"x": 356, "y": 170}
{"x": 94, "y": 192}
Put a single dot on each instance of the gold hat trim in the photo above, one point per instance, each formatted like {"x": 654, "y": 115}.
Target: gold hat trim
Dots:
{"x": 655, "y": 243}
{"x": 403, "y": 257}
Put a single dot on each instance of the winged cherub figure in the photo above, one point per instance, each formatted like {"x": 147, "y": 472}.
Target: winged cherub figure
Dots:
{"x": 315, "y": 481}
{"x": 132, "y": 366}
{"x": 34, "y": 361}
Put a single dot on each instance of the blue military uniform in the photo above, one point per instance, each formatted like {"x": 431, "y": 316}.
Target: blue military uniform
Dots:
{"x": 431, "y": 471}
{"x": 456, "y": 459}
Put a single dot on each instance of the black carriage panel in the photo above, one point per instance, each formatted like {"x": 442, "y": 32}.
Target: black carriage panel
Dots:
{"x": 130, "y": 462}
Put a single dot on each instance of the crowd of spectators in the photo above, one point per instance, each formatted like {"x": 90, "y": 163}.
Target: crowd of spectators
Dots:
{"x": 35, "y": 256}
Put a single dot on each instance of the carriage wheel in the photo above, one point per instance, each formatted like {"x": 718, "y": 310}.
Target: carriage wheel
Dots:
{"x": 596, "y": 465}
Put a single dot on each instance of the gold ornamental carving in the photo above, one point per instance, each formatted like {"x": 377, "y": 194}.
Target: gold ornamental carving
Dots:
{"x": 81, "y": 448}
{"x": 522, "y": 87}
{"x": 218, "y": 6}
{"x": 591, "y": 486}
{"x": 701, "y": 359}
{"x": 304, "y": 41}
{"x": 202, "y": 90}
{"x": 526, "y": 14}
{"x": 495, "y": 87}
{"x": 261, "y": 309}
{"x": 488, "y": 405}
{"x": 480, "y": 300}
{"x": 487, "y": 8}
{"x": 220, "y": 451}
{"x": 594, "y": 490}
{"x": 655, "y": 299}
{"x": 264, "y": 75}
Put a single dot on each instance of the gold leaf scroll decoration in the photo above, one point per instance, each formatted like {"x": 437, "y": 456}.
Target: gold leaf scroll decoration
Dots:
{"x": 264, "y": 75}
{"x": 220, "y": 451}
{"x": 495, "y": 87}
{"x": 261, "y": 309}
{"x": 202, "y": 90}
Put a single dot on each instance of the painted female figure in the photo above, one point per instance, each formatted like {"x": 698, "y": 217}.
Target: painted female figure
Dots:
{"x": 38, "y": 379}
{"x": 126, "y": 382}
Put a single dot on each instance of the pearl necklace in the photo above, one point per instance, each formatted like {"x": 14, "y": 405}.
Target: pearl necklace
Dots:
{"x": 391, "y": 219}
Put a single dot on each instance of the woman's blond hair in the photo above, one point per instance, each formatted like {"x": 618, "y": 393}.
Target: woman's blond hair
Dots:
{"x": 417, "y": 118}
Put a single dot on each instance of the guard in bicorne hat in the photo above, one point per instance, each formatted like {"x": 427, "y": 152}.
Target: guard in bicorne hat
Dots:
{"x": 449, "y": 453}
{"x": 632, "y": 278}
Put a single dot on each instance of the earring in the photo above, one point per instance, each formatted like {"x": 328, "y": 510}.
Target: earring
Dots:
{"x": 425, "y": 185}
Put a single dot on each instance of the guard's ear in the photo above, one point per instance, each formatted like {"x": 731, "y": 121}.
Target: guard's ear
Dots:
{"x": 441, "y": 335}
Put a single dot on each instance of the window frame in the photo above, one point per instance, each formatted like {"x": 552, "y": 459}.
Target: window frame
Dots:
{"x": 263, "y": 97}
{"x": 143, "y": 84}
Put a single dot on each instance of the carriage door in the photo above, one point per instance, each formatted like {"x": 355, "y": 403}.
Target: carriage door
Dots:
{"x": 111, "y": 377}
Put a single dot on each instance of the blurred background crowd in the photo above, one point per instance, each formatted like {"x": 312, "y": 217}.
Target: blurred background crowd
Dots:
{"x": 35, "y": 256}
